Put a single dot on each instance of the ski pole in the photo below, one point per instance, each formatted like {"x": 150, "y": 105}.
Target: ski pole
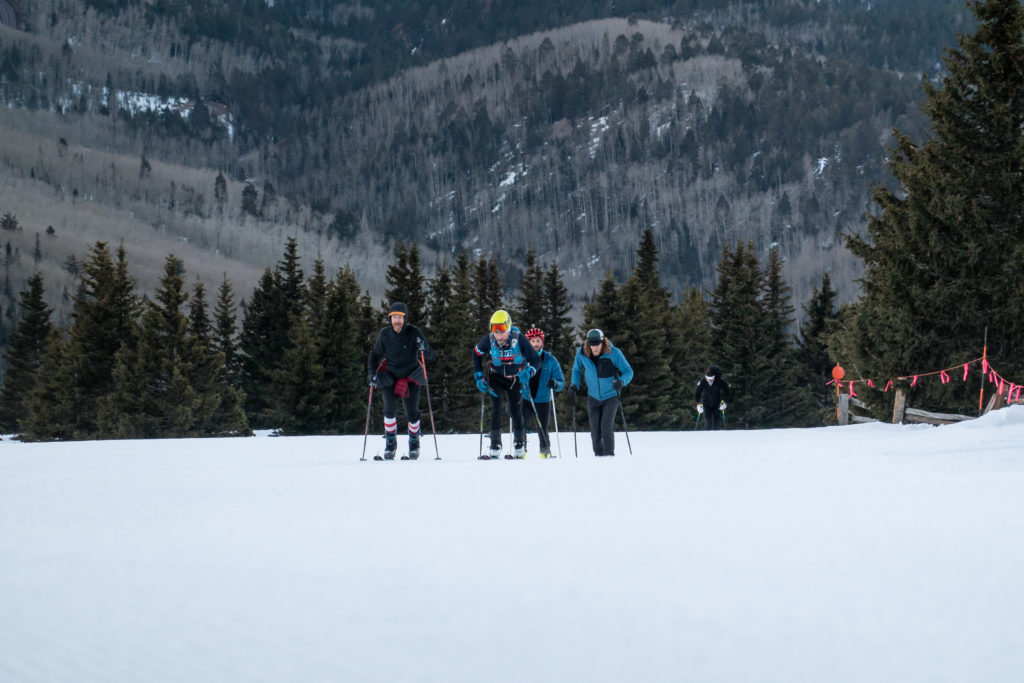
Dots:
{"x": 482, "y": 397}
{"x": 575, "y": 448}
{"x": 696, "y": 422}
{"x": 366, "y": 431}
{"x": 540, "y": 427}
{"x": 554, "y": 414}
{"x": 625, "y": 428}
{"x": 426, "y": 382}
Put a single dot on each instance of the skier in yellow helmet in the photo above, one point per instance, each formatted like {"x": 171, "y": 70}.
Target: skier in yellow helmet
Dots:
{"x": 511, "y": 362}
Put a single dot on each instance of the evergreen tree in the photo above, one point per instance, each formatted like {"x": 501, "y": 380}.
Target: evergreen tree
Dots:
{"x": 266, "y": 336}
{"x": 557, "y": 322}
{"x": 453, "y": 330}
{"x": 739, "y": 330}
{"x": 530, "y": 309}
{"x": 103, "y": 321}
{"x": 305, "y": 399}
{"x": 944, "y": 259}
{"x": 349, "y": 332}
{"x": 261, "y": 346}
{"x": 651, "y": 397}
{"x": 692, "y": 326}
{"x": 25, "y": 353}
{"x": 487, "y": 289}
{"x": 199, "y": 314}
{"x": 169, "y": 385}
{"x": 785, "y": 399}
{"x": 406, "y": 282}
{"x": 813, "y": 345}
{"x": 224, "y": 339}
{"x": 51, "y": 409}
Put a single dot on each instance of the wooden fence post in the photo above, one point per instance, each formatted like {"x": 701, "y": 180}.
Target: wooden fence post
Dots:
{"x": 844, "y": 409}
{"x": 899, "y": 407}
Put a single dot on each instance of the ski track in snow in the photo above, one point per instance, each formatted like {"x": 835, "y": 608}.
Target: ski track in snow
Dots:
{"x": 862, "y": 553}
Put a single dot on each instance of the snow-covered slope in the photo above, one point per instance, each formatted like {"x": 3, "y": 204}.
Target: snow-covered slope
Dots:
{"x": 864, "y": 553}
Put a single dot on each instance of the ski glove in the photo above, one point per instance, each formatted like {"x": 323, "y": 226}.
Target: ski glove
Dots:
{"x": 551, "y": 384}
{"x": 616, "y": 384}
{"x": 572, "y": 391}
{"x": 420, "y": 345}
{"x": 373, "y": 382}
{"x": 721, "y": 406}
{"x": 700, "y": 408}
{"x": 526, "y": 373}
{"x": 481, "y": 384}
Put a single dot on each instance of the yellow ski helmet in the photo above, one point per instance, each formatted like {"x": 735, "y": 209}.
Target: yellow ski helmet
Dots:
{"x": 501, "y": 321}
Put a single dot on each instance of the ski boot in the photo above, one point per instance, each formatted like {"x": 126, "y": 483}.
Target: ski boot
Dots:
{"x": 390, "y": 446}
{"x": 414, "y": 447}
{"x": 493, "y": 453}
{"x": 518, "y": 451}
{"x": 546, "y": 453}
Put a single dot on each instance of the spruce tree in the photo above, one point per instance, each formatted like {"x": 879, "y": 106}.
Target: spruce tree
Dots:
{"x": 25, "y": 353}
{"x": 487, "y": 291}
{"x": 224, "y": 339}
{"x": 103, "y": 321}
{"x": 814, "y": 354}
{"x": 558, "y": 327}
{"x": 740, "y": 332}
{"x": 692, "y": 327}
{"x": 261, "y": 346}
{"x": 529, "y": 310}
{"x": 51, "y": 409}
{"x": 944, "y": 258}
{"x": 405, "y": 281}
{"x": 785, "y": 399}
{"x": 350, "y": 331}
{"x": 199, "y": 314}
{"x": 453, "y": 331}
{"x": 645, "y": 342}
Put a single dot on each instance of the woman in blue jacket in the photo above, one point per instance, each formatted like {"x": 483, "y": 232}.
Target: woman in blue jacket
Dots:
{"x": 542, "y": 389}
{"x": 606, "y": 371}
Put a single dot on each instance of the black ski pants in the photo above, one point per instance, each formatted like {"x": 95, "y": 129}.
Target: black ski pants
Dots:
{"x": 411, "y": 403}
{"x": 506, "y": 389}
{"x": 602, "y": 424}
{"x": 539, "y": 417}
{"x": 713, "y": 419}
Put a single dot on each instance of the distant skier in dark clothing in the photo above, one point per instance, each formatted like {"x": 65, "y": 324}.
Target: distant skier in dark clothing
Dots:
{"x": 394, "y": 368}
{"x": 606, "y": 371}
{"x": 511, "y": 364}
{"x": 711, "y": 397}
{"x": 543, "y": 387}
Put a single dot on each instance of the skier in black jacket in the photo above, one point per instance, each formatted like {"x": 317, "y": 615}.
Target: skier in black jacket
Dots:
{"x": 394, "y": 368}
{"x": 711, "y": 397}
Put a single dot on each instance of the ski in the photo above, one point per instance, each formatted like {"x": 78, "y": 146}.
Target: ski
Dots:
{"x": 509, "y": 456}
{"x": 411, "y": 456}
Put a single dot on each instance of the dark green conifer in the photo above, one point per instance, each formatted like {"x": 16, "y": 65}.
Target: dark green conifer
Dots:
{"x": 405, "y": 281}
{"x": 529, "y": 309}
{"x": 944, "y": 258}
{"x": 25, "y": 353}
{"x": 645, "y": 342}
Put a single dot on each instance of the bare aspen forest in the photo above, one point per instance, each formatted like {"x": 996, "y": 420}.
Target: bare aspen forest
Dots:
{"x": 214, "y": 131}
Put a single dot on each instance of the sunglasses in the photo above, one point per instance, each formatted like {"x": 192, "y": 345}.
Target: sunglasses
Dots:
{"x": 596, "y": 342}
{"x": 499, "y": 327}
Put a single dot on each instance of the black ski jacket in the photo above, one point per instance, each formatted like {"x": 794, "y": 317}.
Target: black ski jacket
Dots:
{"x": 401, "y": 351}
{"x": 711, "y": 394}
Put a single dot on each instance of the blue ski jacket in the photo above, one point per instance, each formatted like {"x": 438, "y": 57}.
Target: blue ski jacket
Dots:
{"x": 549, "y": 369}
{"x": 599, "y": 372}
{"x": 506, "y": 359}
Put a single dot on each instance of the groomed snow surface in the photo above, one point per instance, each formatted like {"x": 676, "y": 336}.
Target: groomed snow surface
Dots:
{"x": 868, "y": 553}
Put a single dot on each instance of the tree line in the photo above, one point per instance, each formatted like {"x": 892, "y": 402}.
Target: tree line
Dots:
{"x": 179, "y": 365}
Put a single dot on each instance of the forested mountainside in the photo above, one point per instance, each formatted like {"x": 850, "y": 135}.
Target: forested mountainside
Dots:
{"x": 565, "y": 127}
